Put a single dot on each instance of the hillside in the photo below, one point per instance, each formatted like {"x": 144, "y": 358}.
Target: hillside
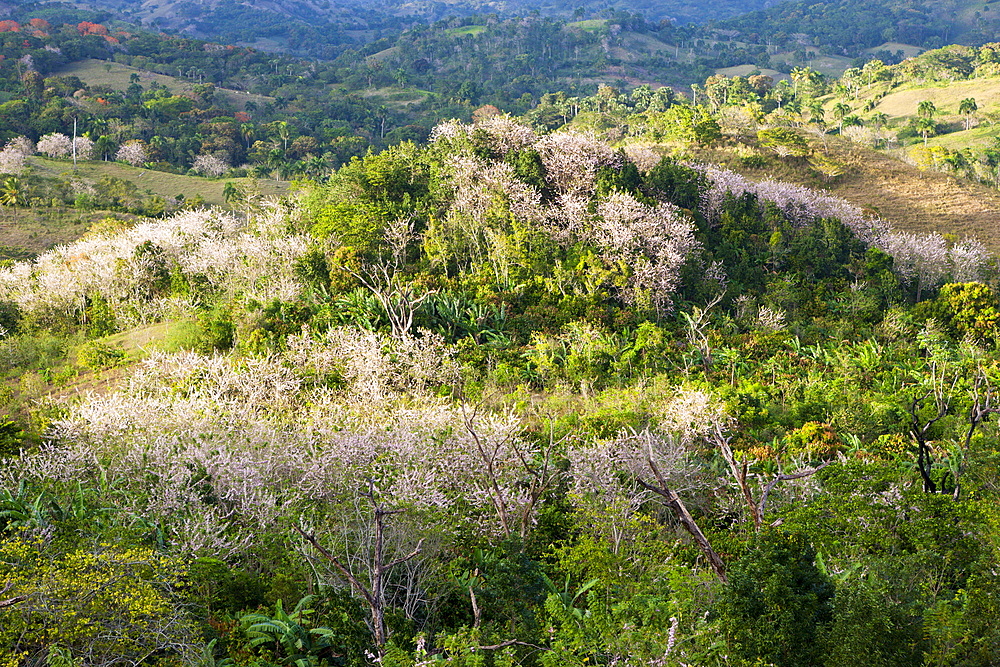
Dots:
{"x": 586, "y": 403}
{"x": 912, "y": 199}
{"x": 117, "y": 76}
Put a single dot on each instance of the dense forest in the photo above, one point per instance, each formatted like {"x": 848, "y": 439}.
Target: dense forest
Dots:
{"x": 509, "y": 397}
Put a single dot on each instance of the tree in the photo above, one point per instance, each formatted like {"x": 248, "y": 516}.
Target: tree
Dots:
{"x": 967, "y": 108}
{"x": 925, "y": 126}
{"x": 776, "y": 604}
{"x": 840, "y": 111}
{"x": 379, "y": 567}
{"x": 12, "y": 193}
{"x": 926, "y": 109}
{"x": 55, "y": 145}
{"x": 133, "y": 152}
{"x": 84, "y": 148}
{"x": 210, "y": 165}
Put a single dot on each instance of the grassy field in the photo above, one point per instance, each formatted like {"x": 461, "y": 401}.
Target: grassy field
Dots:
{"x": 828, "y": 65}
{"x": 590, "y": 25}
{"x": 108, "y": 73}
{"x": 903, "y": 101}
{"x": 471, "y": 30}
{"x": 910, "y": 199}
{"x": 27, "y": 230}
{"x": 746, "y": 70}
{"x": 909, "y": 50}
{"x": 971, "y": 138}
{"x": 32, "y": 231}
{"x": 153, "y": 182}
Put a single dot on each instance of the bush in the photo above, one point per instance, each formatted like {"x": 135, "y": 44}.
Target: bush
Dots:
{"x": 98, "y": 356}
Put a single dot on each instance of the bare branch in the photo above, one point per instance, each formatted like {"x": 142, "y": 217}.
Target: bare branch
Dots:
{"x": 337, "y": 564}
{"x": 399, "y": 561}
{"x": 784, "y": 478}
{"x": 677, "y": 505}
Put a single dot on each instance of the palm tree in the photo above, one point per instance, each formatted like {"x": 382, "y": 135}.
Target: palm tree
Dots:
{"x": 879, "y": 119}
{"x": 926, "y": 109}
{"x": 967, "y": 107}
{"x": 926, "y": 127}
{"x": 12, "y": 193}
{"x": 840, "y": 110}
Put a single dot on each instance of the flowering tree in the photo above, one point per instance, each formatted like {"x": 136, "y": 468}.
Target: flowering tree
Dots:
{"x": 12, "y": 161}
{"x": 654, "y": 241}
{"x": 133, "y": 152}
{"x": 210, "y": 165}
{"x": 84, "y": 148}
{"x": 572, "y": 159}
{"x": 56, "y": 144}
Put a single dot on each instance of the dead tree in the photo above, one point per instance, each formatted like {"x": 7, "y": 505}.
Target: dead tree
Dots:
{"x": 920, "y": 426}
{"x": 539, "y": 473}
{"x": 675, "y": 503}
{"x": 373, "y": 595}
{"x": 739, "y": 470}
{"x": 382, "y": 278}
{"x": 983, "y": 405}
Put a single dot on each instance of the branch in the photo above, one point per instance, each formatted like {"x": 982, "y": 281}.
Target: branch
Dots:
{"x": 505, "y": 644}
{"x": 785, "y": 478}
{"x": 337, "y": 564}
{"x": 412, "y": 554}
{"x": 677, "y": 505}
{"x": 9, "y": 602}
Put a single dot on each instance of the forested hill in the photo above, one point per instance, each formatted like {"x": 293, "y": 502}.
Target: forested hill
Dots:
{"x": 508, "y": 397}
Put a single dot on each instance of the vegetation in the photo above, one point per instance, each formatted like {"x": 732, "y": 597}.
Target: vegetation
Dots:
{"x": 625, "y": 378}
{"x": 509, "y": 396}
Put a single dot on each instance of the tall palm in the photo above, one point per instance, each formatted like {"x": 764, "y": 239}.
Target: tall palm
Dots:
{"x": 926, "y": 109}
{"x": 840, "y": 111}
{"x": 967, "y": 107}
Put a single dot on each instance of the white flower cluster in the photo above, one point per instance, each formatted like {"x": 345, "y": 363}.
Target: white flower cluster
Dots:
{"x": 216, "y": 445}
{"x": 799, "y": 203}
{"x": 255, "y": 262}
{"x": 654, "y": 240}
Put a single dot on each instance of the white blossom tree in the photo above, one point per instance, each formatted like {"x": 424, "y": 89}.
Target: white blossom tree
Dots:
{"x": 84, "y": 148}
{"x": 55, "y": 145}
{"x": 133, "y": 152}
{"x": 210, "y": 165}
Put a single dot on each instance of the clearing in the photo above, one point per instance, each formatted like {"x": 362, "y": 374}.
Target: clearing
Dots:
{"x": 150, "y": 181}
{"x": 95, "y": 72}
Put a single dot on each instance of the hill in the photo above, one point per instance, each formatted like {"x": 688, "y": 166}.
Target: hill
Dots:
{"x": 95, "y": 72}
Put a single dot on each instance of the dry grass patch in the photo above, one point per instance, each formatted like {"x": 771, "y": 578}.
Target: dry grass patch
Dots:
{"x": 903, "y": 102}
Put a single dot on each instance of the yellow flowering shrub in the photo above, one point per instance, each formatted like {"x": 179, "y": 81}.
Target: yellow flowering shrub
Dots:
{"x": 106, "y": 603}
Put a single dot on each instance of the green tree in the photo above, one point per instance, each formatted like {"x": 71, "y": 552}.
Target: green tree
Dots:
{"x": 776, "y": 604}
{"x": 967, "y": 108}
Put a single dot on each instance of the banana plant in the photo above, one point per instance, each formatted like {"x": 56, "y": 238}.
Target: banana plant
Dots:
{"x": 288, "y": 633}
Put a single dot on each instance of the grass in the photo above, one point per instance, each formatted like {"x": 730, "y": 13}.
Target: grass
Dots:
{"x": 903, "y": 101}
{"x": 95, "y": 72}
{"x": 910, "y": 199}
{"x": 468, "y": 30}
{"x": 635, "y": 41}
{"x": 27, "y": 230}
{"x": 909, "y": 50}
{"x": 39, "y": 366}
{"x": 590, "y": 25}
{"x": 832, "y": 66}
{"x": 971, "y": 138}
{"x": 154, "y": 182}
{"x": 746, "y": 70}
